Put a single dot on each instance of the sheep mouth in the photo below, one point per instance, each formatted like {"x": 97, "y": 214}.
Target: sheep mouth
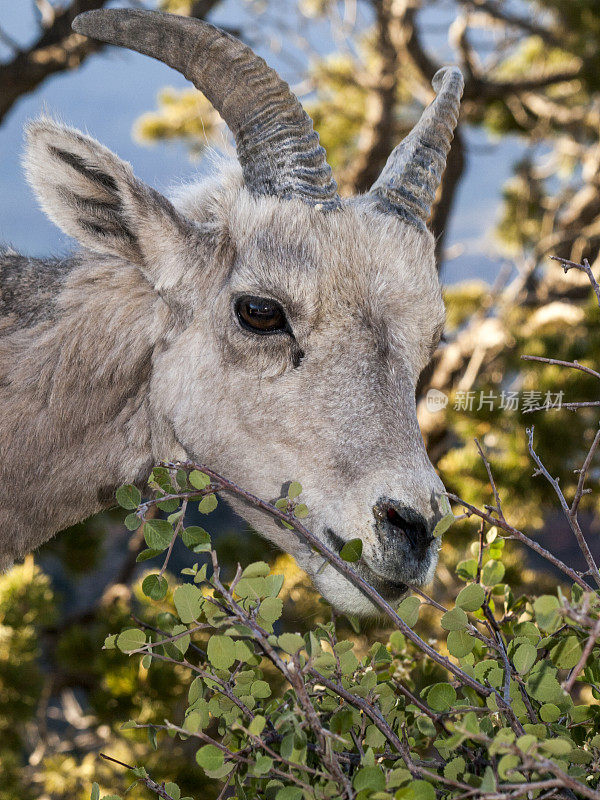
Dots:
{"x": 388, "y": 588}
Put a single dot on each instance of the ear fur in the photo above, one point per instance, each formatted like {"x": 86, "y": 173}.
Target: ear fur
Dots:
{"x": 94, "y": 196}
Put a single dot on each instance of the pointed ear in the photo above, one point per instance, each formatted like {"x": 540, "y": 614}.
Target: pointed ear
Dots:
{"x": 94, "y": 196}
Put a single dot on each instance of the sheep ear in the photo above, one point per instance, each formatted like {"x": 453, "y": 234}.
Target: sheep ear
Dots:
{"x": 94, "y": 196}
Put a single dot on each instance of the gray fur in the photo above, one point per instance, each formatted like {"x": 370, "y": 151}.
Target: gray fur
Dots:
{"x": 131, "y": 352}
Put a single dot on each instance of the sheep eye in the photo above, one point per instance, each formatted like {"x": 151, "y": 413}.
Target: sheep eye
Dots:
{"x": 261, "y": 315}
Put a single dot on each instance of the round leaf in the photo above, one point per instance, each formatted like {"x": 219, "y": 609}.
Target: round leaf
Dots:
{"x": 129, "y": 497}
{"x": 188, "y": 601}
{"x": 290, "y": 642}
{"x": 460, "y": 643}
{"x": 221, "y": 651}
{"x": 295, "y": 489}
{"x": 207, "y": 504}
{"x": 454, "y": 620}
{"x": 158, "y": 534}
{"x": 409, "y": 610}
{"x": 524, "y": 657}
{"x": 130, "y": 639}
{"x": 271, "y": 609}
{"x": 210, "y": 757}
{"x": 492, "y": 572}
{"x": 155, "y": 586}
{"x": 198, "y": 479}
{"x": 471, "y": 597}
{"x": 441, "y": 696}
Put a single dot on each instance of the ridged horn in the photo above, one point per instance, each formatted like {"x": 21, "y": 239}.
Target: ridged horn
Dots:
{"x": 409, "y": 180}
{"x": 276, "y": 145}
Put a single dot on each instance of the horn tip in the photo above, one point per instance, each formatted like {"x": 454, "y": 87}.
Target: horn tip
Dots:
{"x": 449, "y": 76}
{"x": 99, "y": 22}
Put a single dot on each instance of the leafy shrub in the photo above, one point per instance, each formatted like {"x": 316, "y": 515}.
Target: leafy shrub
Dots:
{"x": 503, "y": 704}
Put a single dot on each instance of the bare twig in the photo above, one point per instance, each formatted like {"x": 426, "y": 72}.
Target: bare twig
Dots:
{"x": 570, "y": 513}
{"x": 584, "y": 267}
{"x": 155, "y": 787}
{"x": 587, "y": 650}
{"x": 559, "y": 363}
{"x": 517, "y": 534}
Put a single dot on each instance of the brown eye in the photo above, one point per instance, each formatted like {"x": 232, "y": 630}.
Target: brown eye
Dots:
{"x": 261, "y": 315}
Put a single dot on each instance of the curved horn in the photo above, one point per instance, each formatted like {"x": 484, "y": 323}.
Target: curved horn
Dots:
{"x": 409, "y": 180}
{"x": 276, "y": 145}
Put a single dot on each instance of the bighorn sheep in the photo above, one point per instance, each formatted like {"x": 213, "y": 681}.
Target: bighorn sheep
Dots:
{"x": 257, "y": 322}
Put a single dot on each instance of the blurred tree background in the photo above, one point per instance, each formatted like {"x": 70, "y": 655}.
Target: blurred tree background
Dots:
{"x": 532, "y": 71}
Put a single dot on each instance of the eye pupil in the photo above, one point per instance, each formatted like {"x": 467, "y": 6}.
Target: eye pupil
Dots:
{"x": 260, "y": 314}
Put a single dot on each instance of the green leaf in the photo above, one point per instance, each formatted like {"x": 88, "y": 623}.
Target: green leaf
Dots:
{"x": 409, "y": 609}
{"x": 188, "y": 601}
{"x": 471, "y": 597}
{"x": 567, "y": 653}
{"x": 198, "y": 479}
{"x": 196, "y": 537}
{"x": 289, "y": 793}
{"x": 301, "y": 511}
{"x": 262, "y": 765}
{"x": 132, "y": 522}
{"x": 443, "y": 524}
{"x": 294, "y": 490}
{"x": 258, "y": 569}
{"x": 422, "y": 790}
{"x": 546, "y": 612}
{"x": 95, "y": 795}
{"x": 460, "y": 643}
{"x": 492, "y": 572}
{"x": 130, "y": 639}
{"x": 221, "y": 651}
{"x": 524, "y": 657}
{"x": 454, "y": 620}
{"x": 146, "y": 555}
{"x": 441, "y": 696}
{"x": 371, "y": 778}
{"x": 426, "y": 726}
{"x": 128, "y": 497}
{"x": 158, "y": 534}
{"x": 557, "y": 747}
{"x": 207, "y": 504}
{"x": 210, "y": 757}
{"x": 110, "y": 642}
{"x": 260, "y": 690}
{"x": 155, "y": 586}
{"x": 152, "y": 737}
{"x": 506, "y": 764}
{"x": 173, "y": 790}
{"x": 466, "y": 570}
{"x": 352, "y": 550}
{"x": 140, "y": 772}
{"x": 257, "y": 725}
{"x": 549, "y": 712}
{"x": 454, "y": 768}
{"x": 290, "y": 642}
{"x": 271, "y": 609}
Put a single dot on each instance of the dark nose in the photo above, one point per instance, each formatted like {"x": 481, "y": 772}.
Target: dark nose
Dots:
{"x": 393, "y": 518}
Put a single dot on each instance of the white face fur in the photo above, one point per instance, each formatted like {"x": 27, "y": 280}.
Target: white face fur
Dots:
{"x": 328, "y": 398}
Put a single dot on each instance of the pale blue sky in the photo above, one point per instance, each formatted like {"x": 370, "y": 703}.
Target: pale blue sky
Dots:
{"x": 112, "y": 89}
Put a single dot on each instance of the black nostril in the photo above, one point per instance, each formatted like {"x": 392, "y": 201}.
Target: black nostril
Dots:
{"x": 406, "y": 521}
